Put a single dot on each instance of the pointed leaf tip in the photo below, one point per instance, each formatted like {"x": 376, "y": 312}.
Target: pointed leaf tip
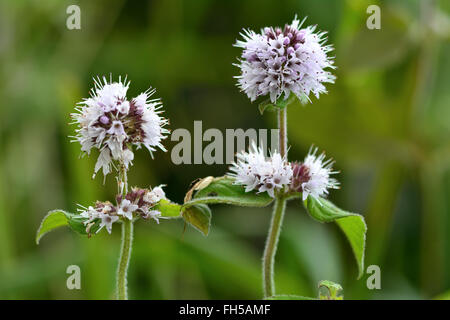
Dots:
{"x": 352, "y": 225}
{"x": 53, "y": 220}
{"x": 198, "y": 216}
{"x": 60, "y": 218}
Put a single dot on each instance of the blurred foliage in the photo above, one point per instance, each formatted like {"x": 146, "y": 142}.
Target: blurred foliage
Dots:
{"x": 385, "y": 121}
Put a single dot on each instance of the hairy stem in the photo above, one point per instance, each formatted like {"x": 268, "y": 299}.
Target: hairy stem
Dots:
{"x": 125, "y": 253}
{"x": 282, "y": 126}
{"x": 127, "y": 241}
{"x": 277, "y": 217}
{"x": 122, "y": 181}
{"x": 271, "y": 246}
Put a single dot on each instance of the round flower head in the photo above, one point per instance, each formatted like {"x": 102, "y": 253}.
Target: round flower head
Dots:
{"x": 107, "y": 121}
{"x": 312, "y": 177}
{"x": 254, "y": 171}
{"x": 277, "y": 61}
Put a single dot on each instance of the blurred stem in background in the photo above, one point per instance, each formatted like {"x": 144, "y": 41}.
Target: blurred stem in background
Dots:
{"x": 432, "y": 246}
{"x": 277, "y": 216}
{"x": 6, "y": 247}
{"x": 381, "y": 208}
{"x": 417, "y": 95}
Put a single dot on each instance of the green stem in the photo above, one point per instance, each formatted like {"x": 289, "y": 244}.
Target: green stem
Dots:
{"x": 125, "y": 253}
{"x": 271, "y": 247}
{"x": 127, "y": 241}
{"x": 282, "y": 126}
{"x": 277, "y": 217}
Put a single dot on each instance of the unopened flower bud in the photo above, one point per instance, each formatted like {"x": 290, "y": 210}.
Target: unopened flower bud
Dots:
{"x": 104, "y": 119}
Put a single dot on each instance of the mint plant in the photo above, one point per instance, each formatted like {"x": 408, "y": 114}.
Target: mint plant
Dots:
{"x": 287, "y": 65}
{"x": 280, "y": 65}
{"x": 115, "y": 126}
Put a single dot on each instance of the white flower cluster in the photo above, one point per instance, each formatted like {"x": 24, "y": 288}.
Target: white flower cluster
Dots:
{"x": 254, "y": 171}
{"x": 277, "y": 61}
{"x": 103, "y": 211}
{"x": 137, "y": 201}
{"x": 107, "y": 121}
{"x": 312, "y": 177}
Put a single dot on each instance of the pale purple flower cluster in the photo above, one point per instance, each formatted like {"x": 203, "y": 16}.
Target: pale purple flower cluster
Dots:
{"x": 255, "y": 171}
{"x": 103, "y": 211}
{"x": 112, "y": 124}
{"x": 137, "y": 202}
{"x": 310, "y": 177}
{"x": 288, "y": 60}
{"x": 141, "y": 201}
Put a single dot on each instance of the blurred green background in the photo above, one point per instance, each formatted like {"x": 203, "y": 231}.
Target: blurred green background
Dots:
{"x": 385, "y": 121}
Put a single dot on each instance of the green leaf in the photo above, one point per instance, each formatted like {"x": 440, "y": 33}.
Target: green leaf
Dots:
{"x": 198, "y": 216}
{"x": 289, "y": 297}
{"x": 60, "y": 218}
{"x": 223, "y": 190}
{"x": 76, "y": 223}
{"x": 333, "y": 290}
{"x": 282, "y": 103}
{"x": 168, "y": 209}
{"x": 354, "y": 228}
{"x": 351, "y": 224}
{"x": 266, "y": 105}
{"x": 53, "y": 220}
{"x": 217, "y": 190}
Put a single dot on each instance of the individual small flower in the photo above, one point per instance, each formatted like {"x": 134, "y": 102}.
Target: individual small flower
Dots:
{"x": 103, "y": 211}
{"x": 288, "y": 60}
{"x": 312, "y": 176}
{"x": 90, "y": 214}
{"x": 126, "y": 209}
{"x": 127, "y": 158}
{"x": 107, "y": 121}
{"x": 155, "y": 195}
{"x": 107, "y": 221}
{"x": 159, "y": 192}
{"x": 153, "y": 214}
{"x": 255, "y": 172}
{"x": 143, "y": 202}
